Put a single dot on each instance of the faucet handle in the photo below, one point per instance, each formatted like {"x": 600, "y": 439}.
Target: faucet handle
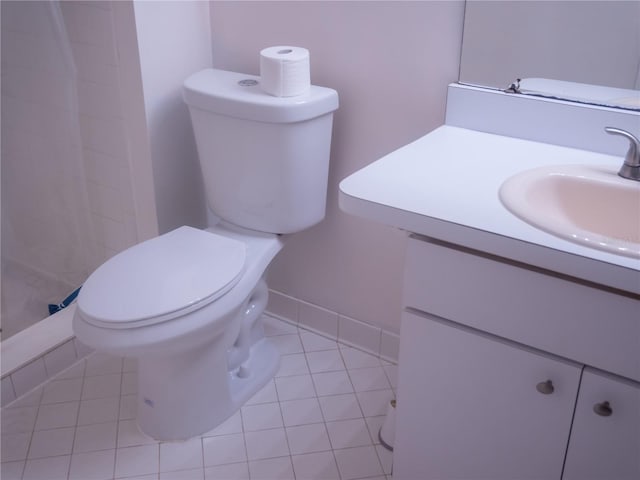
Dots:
{"x": 631, "y": 166}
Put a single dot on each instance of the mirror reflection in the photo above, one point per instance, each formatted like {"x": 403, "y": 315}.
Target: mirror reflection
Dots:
{"x": 575, "y": 50}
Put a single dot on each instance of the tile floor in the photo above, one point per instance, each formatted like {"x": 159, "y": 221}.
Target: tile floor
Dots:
{"x": 317, "y": 419}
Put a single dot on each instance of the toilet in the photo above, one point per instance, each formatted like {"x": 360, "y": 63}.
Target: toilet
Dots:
{"x": 187, "y": 304}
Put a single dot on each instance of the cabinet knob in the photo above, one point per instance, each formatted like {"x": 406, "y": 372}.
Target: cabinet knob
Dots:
{"x": 603, "y": 409}
{"x": 546, "y": 388}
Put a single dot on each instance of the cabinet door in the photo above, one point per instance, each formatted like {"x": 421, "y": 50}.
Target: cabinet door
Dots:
{"x": 468, "y": 406}
{"x": 605, "y": 439}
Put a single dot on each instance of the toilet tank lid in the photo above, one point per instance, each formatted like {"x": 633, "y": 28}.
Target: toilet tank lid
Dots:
{"x": 155, "y": 280}
{"x": 239, "y": 95}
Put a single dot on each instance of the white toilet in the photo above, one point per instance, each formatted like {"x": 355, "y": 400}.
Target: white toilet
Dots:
{"x": 188, "y": 303}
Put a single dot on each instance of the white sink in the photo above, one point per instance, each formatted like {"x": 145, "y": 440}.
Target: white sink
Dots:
{"x": 587, "y": 205}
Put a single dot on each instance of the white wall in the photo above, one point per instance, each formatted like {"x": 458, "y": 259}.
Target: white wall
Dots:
{"x": 390, "y": 63}
{"x": 173, "y": 42}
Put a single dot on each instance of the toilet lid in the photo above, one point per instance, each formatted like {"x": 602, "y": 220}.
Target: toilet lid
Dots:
{"x": 162, "y": 278}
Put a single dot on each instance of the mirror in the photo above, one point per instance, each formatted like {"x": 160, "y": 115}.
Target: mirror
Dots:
{"x": 586, "y": 51}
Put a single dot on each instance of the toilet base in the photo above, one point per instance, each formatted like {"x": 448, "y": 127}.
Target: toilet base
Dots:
{"x": 182, "y": 396}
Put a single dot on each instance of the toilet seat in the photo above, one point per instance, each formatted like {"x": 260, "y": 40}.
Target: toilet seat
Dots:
{"x": 162, "y": 278}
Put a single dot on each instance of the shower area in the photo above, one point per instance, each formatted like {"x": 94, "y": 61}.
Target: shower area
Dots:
{"x": 67, "y": 202}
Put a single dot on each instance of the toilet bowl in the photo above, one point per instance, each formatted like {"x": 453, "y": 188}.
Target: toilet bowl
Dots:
{"x": 188, "y": 303}
{"x": 197, "y": 364}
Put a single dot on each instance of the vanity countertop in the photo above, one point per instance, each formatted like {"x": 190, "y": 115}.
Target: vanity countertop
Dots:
{"x": 445, "y": 186}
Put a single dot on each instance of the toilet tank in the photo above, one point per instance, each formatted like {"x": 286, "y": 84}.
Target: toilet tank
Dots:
{"x": 264, "y": 159}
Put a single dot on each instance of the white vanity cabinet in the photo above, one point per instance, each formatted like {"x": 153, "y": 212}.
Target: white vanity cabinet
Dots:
{"x": 475, "y": 410}
{"x": 492, "y": 369}
{"x": 605, "y": 438}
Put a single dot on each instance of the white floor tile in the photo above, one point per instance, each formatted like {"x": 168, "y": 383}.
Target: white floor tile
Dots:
{"x": 354, "y": 358}
{"x": 74, "y": 371}
{"x": 129, "y": 383}
{"x": 315, "y": 466}
{"x": 85, "y": 427}
{"x": 181, "y": 455}
{"x": 267, "y": 394}
{"x": 129, "y": 435}
{"x": 49, "y": 443}
{"x": 15, "y": 446}
{"x": 349, "y": 433}
{"x": 62, "y": 390}
{"x": 271, "y": 469}
{"x": 235, "y": 471}
{"x": 374, "y": 424}
{"x": 293, "y": 364}
{"x": 52, "y": 468}
{"x": 31, "y": 399}
{"x": 332, "y": 383}
{"x": 11, "y": 470}
{"x": 375, "y": 402}
{"x": 128, "y": 406}
{"x": 273, "y": 326}
{"x": 151, "y": 476}
{"x": 97, "y": 436}
{"x": 325, "y": 361}
{"x": 140, "y": 460}
{"x": 192, "y": 474}
{"x": 101, "y": 386}
{"x": 360, "y": 462}
{"x": 287, "y": 344}
{"x": 340, "y": 407}
{"x": 266, "y": 444}
{"x": 129, "y": 365}
{"x": 233, "y": 424}
{"x": 370, "y": 378}
{"x": 392, "y": 375}
{"x": 57, "y": 415}
{"x": 386, "y": 458}
{"x": 102, "y": 364}
{"x": 301, "y": 412}
{"x": 308, "y": 439}
{"x": 295, "y": 387}
{"x": 312, "y": 342}
{"x": 261, "y": 417}
{"x": 224, "y": 449}
{"x": 98, "y": 410}
{"x": 18, "y": 420}
{"x": 92, "y": 465}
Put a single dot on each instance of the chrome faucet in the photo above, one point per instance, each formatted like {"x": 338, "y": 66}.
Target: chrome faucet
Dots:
{"x": 631, "y": 167}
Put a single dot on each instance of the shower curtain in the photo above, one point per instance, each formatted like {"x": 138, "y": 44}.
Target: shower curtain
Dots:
{"x": 46, "y": 226}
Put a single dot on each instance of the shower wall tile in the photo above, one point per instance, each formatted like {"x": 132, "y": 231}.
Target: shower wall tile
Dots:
{"x": 6, "y": 388}
{"x": 29, "y": 377}
{"x": 91, "y": 70}
{"x": 82, "y": 350}
{"x": 103, "y": 134}
{"x": 99, "y": 97}
{"x": 91, "y": 30}
{"x": 106, "y": 201}
{"x": 87, "y": 24}
{"x": 111, "y": 233}
{"x": 103, "y": 169}
{"x": 60, "y": 358}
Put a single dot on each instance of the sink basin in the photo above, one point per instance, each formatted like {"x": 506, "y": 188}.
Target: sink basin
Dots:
{"x": 591, "y": 206}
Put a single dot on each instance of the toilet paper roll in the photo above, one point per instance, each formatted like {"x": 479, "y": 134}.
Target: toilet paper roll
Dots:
{"x": 285, "y": 71}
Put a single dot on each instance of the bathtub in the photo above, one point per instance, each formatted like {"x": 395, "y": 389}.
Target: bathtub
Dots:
{"x": 37, "y": 353}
